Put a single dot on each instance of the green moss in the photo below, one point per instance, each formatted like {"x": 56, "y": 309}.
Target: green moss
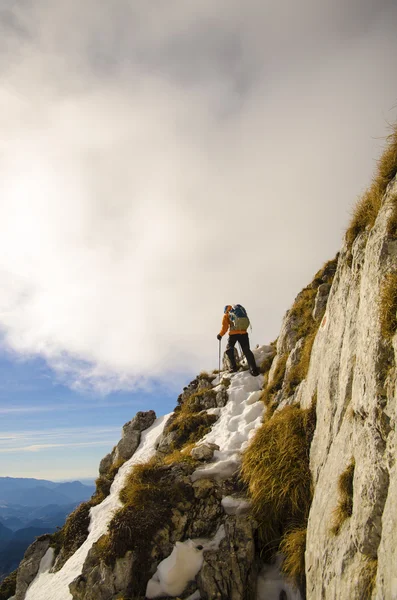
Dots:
{"x": 344, "y": 510}
{"x": 8, "y": 586}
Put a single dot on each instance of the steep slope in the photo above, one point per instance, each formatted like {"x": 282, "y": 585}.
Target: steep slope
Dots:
{"x": 180, "y": 484}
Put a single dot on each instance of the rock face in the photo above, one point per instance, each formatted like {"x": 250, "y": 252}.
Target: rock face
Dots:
{"x": 29, "y": 566}
{"x": 231, "y": 572}
{"x": 353, "y": 374}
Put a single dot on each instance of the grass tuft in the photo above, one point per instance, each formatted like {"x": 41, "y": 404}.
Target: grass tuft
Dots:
{"x": 388, "y": 306}
{"x": 344, "y": 510}
{"x": 190, "y": 428}
{"x": 367, "y": 208}
{"x": 293, "y": 546}
{"x": 276, "y": 470}
{"x": 8, "y": 586}
{"x": 368, "y": 576}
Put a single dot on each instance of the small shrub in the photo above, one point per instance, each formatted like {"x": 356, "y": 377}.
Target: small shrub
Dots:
{"x": 276, "y": 470}
{"x": 344, "y": 509}
{"x": 8, "y": 586}
{"x": 293, "y": 546}
{"x": 367, "y": 208}
{"x": 388, "y": 306}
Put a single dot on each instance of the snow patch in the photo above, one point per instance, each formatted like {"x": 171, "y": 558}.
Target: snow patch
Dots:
{"x": 237, "y": 423}
{"x": 174, "y": 572}
{"x": 181, "y": 566}
{"x": 235, "y": 506}
{"x": 271, "y": 583}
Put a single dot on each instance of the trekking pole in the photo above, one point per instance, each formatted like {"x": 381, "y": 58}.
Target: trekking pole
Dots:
{"x": 220, "y": 343}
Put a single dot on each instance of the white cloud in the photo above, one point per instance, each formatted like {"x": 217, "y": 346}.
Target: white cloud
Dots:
{"x": 159, "y": 161}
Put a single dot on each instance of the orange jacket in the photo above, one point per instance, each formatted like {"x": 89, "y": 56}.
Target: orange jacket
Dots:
{"x": 226, "y": 324}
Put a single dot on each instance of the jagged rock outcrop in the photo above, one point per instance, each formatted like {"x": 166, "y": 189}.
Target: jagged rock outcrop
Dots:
{"x": 30, "y": 563}
{"x": 129, "y": 441}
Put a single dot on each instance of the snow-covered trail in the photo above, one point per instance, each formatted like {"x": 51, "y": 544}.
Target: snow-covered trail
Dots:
{"x": 237, "y": 423}
{"x": 55, "y": 586}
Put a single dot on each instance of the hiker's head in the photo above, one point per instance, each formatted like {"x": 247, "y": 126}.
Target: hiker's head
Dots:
{"x": 227, "y": 308}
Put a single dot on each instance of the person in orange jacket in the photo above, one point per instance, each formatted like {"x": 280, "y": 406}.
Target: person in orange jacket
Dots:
{"x": 240, "y": 336}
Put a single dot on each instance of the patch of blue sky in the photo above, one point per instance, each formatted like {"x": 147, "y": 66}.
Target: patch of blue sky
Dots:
{"x": 48, "y": 430}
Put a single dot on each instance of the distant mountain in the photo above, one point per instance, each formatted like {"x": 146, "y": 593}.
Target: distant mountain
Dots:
{"x": 5, "y": 535}
{"x": 30, "y": 508}
{"x": 25, "y": 483}
{"x": 75, "y": 490}
{"x": 40, "y": 492}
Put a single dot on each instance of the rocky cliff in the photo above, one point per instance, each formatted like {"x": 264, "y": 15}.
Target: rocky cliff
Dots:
{"x": 278, "y": 487}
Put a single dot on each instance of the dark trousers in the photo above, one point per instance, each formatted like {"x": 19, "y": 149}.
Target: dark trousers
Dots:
{"x": 243, "y": 340}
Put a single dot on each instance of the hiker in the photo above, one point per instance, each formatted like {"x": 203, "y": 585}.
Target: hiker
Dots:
{"x": 235, "y": 319}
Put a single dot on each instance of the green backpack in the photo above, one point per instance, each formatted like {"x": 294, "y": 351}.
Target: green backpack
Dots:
{"x": 239, "y": 320}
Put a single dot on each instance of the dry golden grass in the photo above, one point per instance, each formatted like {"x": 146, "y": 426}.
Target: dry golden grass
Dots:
{"x": 276, "y": 470}
{"x": 388, "y": 306}
{"x": 293, "y": 546}
{"x": 180, "y": 456}
{"x": 367, "y": 208}
{"x": 368, "y": 576}
{"x": 344, "y": 510}
{"x": 190, "y": 428}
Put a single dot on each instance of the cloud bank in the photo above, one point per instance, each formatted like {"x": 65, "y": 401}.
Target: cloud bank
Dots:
{"x": 160, "y": 160}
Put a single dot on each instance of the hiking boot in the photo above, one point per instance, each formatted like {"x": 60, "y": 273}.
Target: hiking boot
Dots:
{"x": 254, "y": 372}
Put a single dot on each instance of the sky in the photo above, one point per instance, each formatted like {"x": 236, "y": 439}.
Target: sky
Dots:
{"x": 159, "y": 160}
